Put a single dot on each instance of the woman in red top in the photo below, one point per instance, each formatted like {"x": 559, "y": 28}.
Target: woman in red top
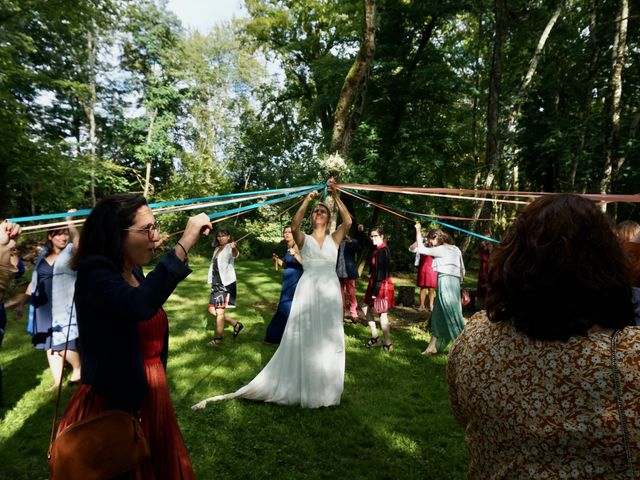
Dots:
{"x": 380, "y": 288}
{"x": 124, "y": 329}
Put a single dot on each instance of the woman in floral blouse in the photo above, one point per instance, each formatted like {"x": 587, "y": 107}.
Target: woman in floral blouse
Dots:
{"x": 532, "y": 379}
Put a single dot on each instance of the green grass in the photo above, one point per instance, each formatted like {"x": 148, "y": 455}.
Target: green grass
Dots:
{"x": 394, "y": 420}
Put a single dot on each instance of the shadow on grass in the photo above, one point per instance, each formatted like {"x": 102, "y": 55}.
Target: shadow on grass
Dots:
{"x": 394, "y": 420}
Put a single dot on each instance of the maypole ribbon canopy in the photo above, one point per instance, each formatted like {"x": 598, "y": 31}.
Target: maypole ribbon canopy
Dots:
{"x": 283, "y": 194}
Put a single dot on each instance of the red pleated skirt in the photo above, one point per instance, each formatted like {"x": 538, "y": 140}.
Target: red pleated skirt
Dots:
{"x": 427, "y": 276}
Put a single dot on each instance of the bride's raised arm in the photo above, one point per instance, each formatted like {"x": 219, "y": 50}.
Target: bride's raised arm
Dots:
{"x": 298, "y": 236}
{"x": 345, "y": 226}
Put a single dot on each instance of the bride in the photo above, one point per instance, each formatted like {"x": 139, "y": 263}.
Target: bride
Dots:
{"x": 307, "y": 369}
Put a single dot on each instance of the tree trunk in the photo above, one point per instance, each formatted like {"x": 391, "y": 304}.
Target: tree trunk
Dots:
{"x": 90, "y": 112}
{"x": 492, "y": 156}
{"x": 588, "y": 97}
{"x": 349, "y": 107}
{"x": 614, "y": 104}
{"x": 351, "y": 101}
{"x": 514, "y": 116}
{"x": 147, "y": 173}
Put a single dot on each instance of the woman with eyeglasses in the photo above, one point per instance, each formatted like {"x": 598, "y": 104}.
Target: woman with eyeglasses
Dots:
{"x": 124, "y": 328}
{"x": 446, "y": 319}
{"x": 222, "y": 278}
{"x": 307, "y": 369}
{"x": 52, "y": 315}
{"x": 379, "y": 296}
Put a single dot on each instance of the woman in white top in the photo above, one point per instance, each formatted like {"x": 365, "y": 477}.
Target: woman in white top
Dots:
{"x": 222, "y": 278}
{"x": 446, "y": 320}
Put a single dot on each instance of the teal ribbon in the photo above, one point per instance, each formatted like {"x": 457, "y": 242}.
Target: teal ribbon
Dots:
{"x": 82, "y": 213}
{"x": 254, "y": 206}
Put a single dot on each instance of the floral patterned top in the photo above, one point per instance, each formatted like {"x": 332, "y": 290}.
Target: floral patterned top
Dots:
{"x": 544, "y": 409}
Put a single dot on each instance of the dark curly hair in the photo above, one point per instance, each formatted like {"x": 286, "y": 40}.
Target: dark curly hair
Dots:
{"x": 560, "y": 270}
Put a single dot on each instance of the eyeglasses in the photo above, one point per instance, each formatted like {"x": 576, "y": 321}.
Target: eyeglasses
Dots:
{"x": 151, "y": 230}
{"x": 374, "y": 235}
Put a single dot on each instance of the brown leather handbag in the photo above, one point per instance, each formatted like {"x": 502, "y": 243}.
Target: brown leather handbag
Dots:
{"x": 98, "y": 447}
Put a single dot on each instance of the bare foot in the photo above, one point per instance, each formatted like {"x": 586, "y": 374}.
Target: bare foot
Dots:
{"x": 52, "y": 388}
{"x": 430, "y": 352}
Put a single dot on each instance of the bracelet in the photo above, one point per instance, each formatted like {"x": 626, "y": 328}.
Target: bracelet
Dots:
{"x": 186, "y": 254}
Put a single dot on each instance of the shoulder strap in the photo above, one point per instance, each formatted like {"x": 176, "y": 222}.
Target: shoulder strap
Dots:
{"x": 618, "y": 390}
{"x": 64, "y": 359}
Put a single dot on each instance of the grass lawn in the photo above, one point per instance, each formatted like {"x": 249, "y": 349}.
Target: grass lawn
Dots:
{"x": 394, "y": 420}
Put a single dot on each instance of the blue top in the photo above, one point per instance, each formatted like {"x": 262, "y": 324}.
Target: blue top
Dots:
{"x": 108, "y": 310}
{"x": 346, "y": 266}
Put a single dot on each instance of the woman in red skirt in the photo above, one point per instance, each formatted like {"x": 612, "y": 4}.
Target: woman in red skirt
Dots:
{"x": 379, "y": 295}
{"x": 124, "y": 330}
{"x": 427, "y": 278}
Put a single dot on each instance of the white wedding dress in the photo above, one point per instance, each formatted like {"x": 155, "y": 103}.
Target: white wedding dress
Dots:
{"x": 307, "y": 369}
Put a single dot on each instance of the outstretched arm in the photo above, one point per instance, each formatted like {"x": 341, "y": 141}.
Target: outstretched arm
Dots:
{"x": 418, "y": 228}
{"x": 298, "y": 236}
{"x": 74, "y": 235}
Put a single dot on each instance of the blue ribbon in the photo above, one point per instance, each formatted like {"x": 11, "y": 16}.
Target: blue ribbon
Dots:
{"x": 225, "y": 213}
{"x": 230, "y": 195}
{"x": 81, "y": 213}
{"x": 50, "y": 216}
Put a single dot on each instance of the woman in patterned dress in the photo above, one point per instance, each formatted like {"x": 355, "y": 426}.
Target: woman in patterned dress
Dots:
{"x": 53, "y": 316}
{"x": 532, "y": 381}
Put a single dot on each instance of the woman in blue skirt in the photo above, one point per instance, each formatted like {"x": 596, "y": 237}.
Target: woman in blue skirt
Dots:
{"x": 292, "y": 264}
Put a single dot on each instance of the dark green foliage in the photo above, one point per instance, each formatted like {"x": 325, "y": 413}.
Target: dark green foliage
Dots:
{"x": 203, "y": 111}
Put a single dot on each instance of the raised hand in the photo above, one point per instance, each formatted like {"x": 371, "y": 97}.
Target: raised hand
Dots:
{"x": 196, "y": 227}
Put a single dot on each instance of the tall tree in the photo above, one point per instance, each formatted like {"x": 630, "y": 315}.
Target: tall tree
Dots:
{"x": 613, "y": 160}
{"x": 493, "y": 150}
{"x": 351, "y": 100}
{"x": 151, "y": 54}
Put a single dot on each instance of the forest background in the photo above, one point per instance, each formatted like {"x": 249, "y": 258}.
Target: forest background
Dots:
{"x": 105, "y": 96}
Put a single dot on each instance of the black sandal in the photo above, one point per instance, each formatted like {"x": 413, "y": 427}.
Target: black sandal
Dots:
{"x": 215, "y": 342}
{"x": 237, "y": 328}
{"x": 388, "y": 348}
{"x": 372, "y": 341}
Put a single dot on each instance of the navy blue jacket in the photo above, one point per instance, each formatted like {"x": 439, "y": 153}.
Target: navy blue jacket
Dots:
{"x": 108, "y": 310}
{"x": 346, "y": 266}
